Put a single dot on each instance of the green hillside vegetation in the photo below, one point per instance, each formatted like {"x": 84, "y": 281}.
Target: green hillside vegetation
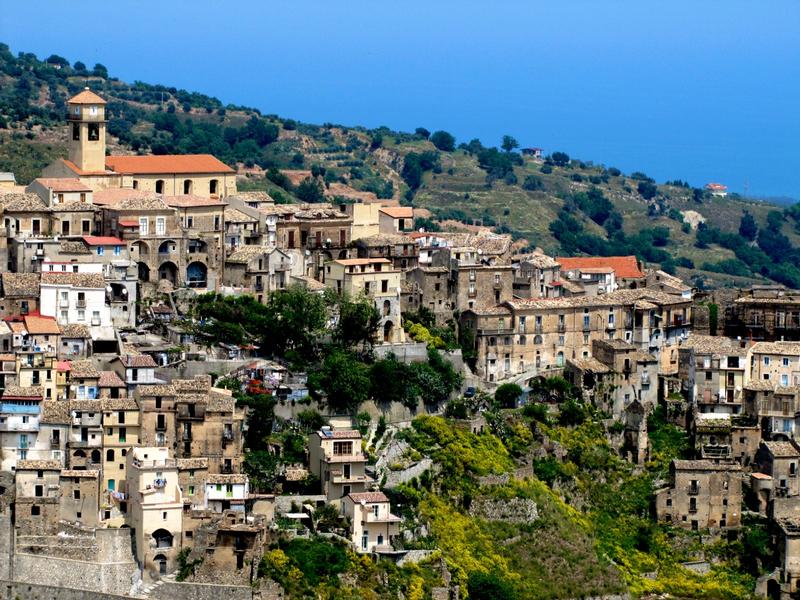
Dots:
{"x": 563, "y": 205}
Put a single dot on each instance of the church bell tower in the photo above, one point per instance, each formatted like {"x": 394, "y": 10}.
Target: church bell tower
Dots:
{"x": 86, "y": 115}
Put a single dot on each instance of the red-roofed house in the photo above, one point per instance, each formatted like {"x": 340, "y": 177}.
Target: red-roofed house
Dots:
{"x": 717, "y": 189}
{"x": 60, "y": 190}
{"x": 396, "y": 219}
{"x": 602, "y": 274}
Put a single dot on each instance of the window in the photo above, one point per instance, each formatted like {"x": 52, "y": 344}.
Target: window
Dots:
{"x": 100, "y": 251}
{"x": 212, "y": 186}
{"x": 161, "y": 225}
{"x": 117, "y": 250}
{"x": 76, "y": 131}
{"x": 709, "y": 375}
{"x": 189, "y": 222}
{"x": 766, "y": 361}
{"x": 76, "y": 494}
{"x": 94, "y": 132}
{"x": 81, "y": 315}
{"x": 191, "y": 490}
{"x": 86, "y": 226}
{"x": 160, "y": 186}
{"x": 785, "y": 361}
{"x": 187, "y": 186}
{"x": 143, "y": 221}
{"x": 122, "y": 434}
{"x": 35, "y": 511}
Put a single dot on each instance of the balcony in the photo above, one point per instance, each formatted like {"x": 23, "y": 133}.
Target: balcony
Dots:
{"x": 562, "y": 327}
{"x": 80, "y": 303}
{"x": 186, "y": 436}
{"x": 55, "y": 443}
{"x": 693, "y": 490}
{"x": 382, "y": 518}
{"x": 161, "y": 426}
{"x": 692, "y": 510}
{"x": 226, "y": 469}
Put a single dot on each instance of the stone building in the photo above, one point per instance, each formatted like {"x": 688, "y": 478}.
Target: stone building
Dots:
{"x": 261, "y": 270}
{"x": 80, "y": 497}
{"x": 226, "y": 491}
{"x": 37, "y": 508}
{"x": 427, "y": 287}
{"x": 401, "y": 250}
{"x": 701, "y": 495}
{"x": 536, "y": 276}
{"x": 764, "y": 313}
{"x": 375, "y": 278}
{"x": 537, "y": 335}
{"x": 603, "y": 274}
{"x": 776, "y": 362}
{"x": 780, "y": 460}
{"x": 20, "y": 293}
{"x": 85, "y": 443}
{"x": 336, "y": 457}
{"x": 396, "y": 219}
{"x": 121, "y": 425}
{"x": 372, "y": 524}
{"x": 713, "y": 371}
{"x": 773, "y": 407}
{"x": 476, "y": 279}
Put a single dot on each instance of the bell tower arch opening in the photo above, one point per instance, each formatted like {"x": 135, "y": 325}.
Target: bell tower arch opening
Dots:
{"x": 86, "y": 114}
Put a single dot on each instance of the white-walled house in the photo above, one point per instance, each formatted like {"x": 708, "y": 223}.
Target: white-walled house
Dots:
{"x": 372, "y": 525}
{"x": 77, "y": 298}
{"x": 226, "y": 492}
{"x": 136, "y": 369}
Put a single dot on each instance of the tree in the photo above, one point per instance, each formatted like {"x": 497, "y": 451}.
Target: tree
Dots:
{"x": 344, "y": 379}
{"x": 310, "y": 190}
{"x": 422, "y": 132}
{"x": 56, "y": 60}
{"x": 506, "y": 395}
{"x": 560, "y": 159}
{"x": 509, "y": 143}
{"x": 100, "y": 71}
{"x": 79, "y": 68}
{"x": 490, "y": 586}
{"x": 262, "y": 468}
{"x": 774, "y": 220}
{"x": 532, "y": 183}
{"x": 443, "y": 141}
{"x": 391, "y": 381}
{"x": 748, "y": 228}
{"x": 377, "y": 141}
{"x": 647, "y": 189}
{"x": 358, "y": 322}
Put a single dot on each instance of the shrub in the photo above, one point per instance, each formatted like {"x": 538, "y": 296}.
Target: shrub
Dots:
{"x": 443, "y": 141}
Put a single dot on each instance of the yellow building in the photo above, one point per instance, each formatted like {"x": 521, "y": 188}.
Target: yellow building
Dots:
{"x": 375, "y": 278}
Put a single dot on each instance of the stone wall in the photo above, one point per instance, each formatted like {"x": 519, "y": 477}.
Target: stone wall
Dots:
{"x": 102, "y": 561}
{"x": 171, "y": 590}
{"x": 14, "y": 590}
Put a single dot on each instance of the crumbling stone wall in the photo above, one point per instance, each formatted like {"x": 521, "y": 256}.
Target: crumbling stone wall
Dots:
{"x": 171, "y": 590}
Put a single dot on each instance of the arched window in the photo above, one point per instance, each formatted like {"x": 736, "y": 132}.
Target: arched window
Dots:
{"x": 160, "y": 186}
{"x": 110, "y": 455}
{"x": 537, "y": 340}
{"x": 187, "y": 186}
{"x": 162, "y": 538}
{"x": 213, "y": 186}
{"x": 522, "y": 340}
{"x": 387, "y": 308}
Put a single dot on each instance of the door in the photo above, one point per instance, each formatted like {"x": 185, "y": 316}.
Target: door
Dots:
{"x": 364, "y": 540}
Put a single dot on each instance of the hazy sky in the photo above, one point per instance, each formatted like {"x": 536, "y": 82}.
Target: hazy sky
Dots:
{"x": 691, "y": 89}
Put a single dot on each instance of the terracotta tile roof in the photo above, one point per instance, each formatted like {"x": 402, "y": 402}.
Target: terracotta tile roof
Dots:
{"x": 189, "y": 200}
{"x": 782, "y": 449}
{"x": 15, "y": 391}
{"x": 23, "y": 203}
{"x": 191, "y": 463}
{"x": 245, "y": 254}
{"x": 75, "y": 330}
{"x": 167, "y": 164}
{"x": 540, "y": 261}
{"x": 21, "y": 285}
{"x": 384, "y": 239}
{"x": 714, "y": 344}
{"x": 110, "y": 379}
{"x": 234, "y": 215}
{"x": 368, "y": 497}
{"x": 362, "y": 261}
{"x": 787, "y": 348}
{"x": 85, "y": 405}
{"x": 128, "y": 223}
{"x": 202, "y": 383}
{"x": 319, "y": 212}
{"x": 159, "y": 389}
{"x": 63, "y": 184}
{"x": 226, "y": 478}
{"x": 86, "y": 96}
{"x": 704, "y": 465}
{"x": 398, "y": 212}
{"x": 221, "y": 403}
{"x": 309, "y": 282}
{"x": 78, "y": 171}
{"x": 618, "y": 297}
{"x": 41, "y": 325}
{"x": 74, "y": 206}
{"x": 63, "y": 366}
{"x": 589, "y": 364}
{"x": 142, "y": 203}
{"x": 137, "y": 360}
{"x": 81, "y": 280}
{"x": 102, "y": 240}
{"x": 38, "y": 465}
{"x": 253, "y": 196}
{"x": 83, "y": 369}
{"x": 625, "y": 267}
{"x": 111, "y": 196}
{"x": 109, "y": 404}
{"x": 54, "y": 412}
{"x": 73, "y": 247}
{"x": 86, "y": 474}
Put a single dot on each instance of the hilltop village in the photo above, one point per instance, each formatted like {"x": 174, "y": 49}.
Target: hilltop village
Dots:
{"x": 129, "y": 407}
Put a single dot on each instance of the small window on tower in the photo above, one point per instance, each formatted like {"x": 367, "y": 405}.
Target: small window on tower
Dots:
{"x": 76, "y": 131}
{"x": 94, "y": 132}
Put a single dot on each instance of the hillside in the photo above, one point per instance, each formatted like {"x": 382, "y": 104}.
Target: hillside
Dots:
{"x": 560, "y": 204}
